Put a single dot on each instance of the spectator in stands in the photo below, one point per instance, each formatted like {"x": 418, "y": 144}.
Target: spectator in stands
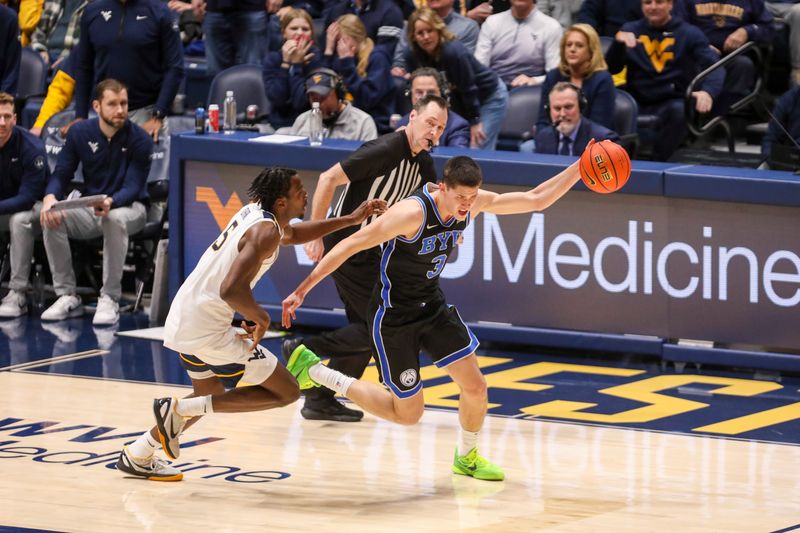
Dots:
{"x": 787, "y": 114}
{"x": 520, "y": 44}
{"x": 382, "y": 19}
{"x": 142, "y": 51}
{"x": 23, "y": 174}
{"x": 564, "y": 11}
{"x": 607, "y": 16}
{"x": 236, "y": 32}
{"x": 582, "y": 64}
{"x": 569, "y": 131}
{"x": 115, "y": 154}
{"x": 340, "y": 118}
{"x": 364, "y": 67}
{"x": 465, "y": 29}
{"x": 477, "y": 93}
{"x": 789, "y": 12}
{"x": 425, "y": 81}
{"x": 9, "y": 51}
{"x": 58, "y": 30}
{"x": 729, "y": 25}
{"x": 285, "y": 71}
{"x": 662, "y": 53}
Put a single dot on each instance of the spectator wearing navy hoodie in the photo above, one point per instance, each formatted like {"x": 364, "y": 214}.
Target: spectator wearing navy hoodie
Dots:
{"x": 662, "y": 54}
{"x": 729, "y": 24}
{"x": 285, "y": 71}
{"x": 138, "y": 43}
{"x": 10, "y": 51}
{"x": 115, "y": 154}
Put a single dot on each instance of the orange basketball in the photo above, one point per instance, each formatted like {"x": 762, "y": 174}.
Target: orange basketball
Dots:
{"x": 605, "y": 167}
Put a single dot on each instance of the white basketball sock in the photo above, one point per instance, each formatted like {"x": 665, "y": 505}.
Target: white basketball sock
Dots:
{"x": 468, "y": 441}
{"x": 198, "y": 406}
{"x": 144, "y": 446}
{"x": 333, "y": 379}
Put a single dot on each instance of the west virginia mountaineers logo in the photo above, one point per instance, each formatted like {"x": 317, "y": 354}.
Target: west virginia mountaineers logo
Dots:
{"x": 657, "y": 50}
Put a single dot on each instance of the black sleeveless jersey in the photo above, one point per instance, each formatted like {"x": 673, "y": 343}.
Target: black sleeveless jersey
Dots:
{"x": 410, "y": 268}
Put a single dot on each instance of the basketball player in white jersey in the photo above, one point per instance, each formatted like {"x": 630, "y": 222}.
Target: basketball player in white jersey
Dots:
{"x": 198, "y": 326}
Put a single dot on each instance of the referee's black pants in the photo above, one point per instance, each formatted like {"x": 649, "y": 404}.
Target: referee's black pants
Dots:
{"x": 349, "y": 347}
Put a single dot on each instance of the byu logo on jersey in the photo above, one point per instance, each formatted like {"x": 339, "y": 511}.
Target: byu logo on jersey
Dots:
{"x": 408, "y": 377}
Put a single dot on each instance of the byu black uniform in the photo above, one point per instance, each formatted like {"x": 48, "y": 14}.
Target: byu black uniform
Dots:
{"x": 383, "y": 168}
{"x": 408, "y": 310}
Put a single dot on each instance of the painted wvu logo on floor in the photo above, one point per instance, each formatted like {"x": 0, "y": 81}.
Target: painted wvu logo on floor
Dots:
{"x": 657, "y": 51}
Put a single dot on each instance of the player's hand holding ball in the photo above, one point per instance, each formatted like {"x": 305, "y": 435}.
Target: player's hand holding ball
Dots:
{"x": 605, "y": 166}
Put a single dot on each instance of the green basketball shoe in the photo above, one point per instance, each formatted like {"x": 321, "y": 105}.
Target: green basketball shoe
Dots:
{"x": 298, "y": 364}
{"x": 477, "y": 466}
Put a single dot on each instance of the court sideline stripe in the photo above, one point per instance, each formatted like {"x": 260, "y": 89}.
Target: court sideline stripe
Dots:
{"x": 59, "y": 359}
{"x": 786, "y": 529}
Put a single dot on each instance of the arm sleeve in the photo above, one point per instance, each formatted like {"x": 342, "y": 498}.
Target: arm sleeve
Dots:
{"x": 35, "y": 172}
{"x": 483, "y": 47}
{"x": 761, "y": 31}
{"x": 591, "y": 13}
{"x": 705, "y": 57}
{"x": 547, "y": 85}
{"x": 553, "y": 49}
{"x": 136, "y": 175}
{"x": 470, "y": 37}
{"x": 9, "y": 76}
{"x": 66, "y": 164}
{"x": 172, "y": 57}
{"x": 83, "y": 66}
{"x": 602, "y": 100}
{"x": 399, "y": 59}
{"x": 459, "y": 136}
{"x": 372, "y": 88}
{"x": 59, "y": 95}
{"x": 461, "y": 74}
{"x": 50, "y": 13}
{"x": 368, "y": 162}
{"x": 390, "y": 29}
{"x": 276, "y": 80}
{"x": 30, "y": 11}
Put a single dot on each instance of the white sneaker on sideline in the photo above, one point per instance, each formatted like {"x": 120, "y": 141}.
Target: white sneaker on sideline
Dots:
{"x": 67, "y": 306}
{"x": 107, "y": 312}
{"x": 14, "y": 304}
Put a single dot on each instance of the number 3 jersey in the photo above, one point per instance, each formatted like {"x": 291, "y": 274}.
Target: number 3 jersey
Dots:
{"x": 199, "y": 320}
{"x": 410, "y": 268}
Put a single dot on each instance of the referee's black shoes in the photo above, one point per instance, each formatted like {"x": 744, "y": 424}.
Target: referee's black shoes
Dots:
{"x": 320, "y": 403}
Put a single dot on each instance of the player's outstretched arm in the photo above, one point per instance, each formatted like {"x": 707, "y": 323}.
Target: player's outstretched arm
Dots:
{"x": 309, "y": 230}
{"x": 403, "y": 218}
{"x": 323, "y": 195}
{"x": 537, "y": 199}
{"x": 256, "y": 245}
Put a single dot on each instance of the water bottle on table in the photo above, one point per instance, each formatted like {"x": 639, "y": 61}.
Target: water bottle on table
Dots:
{"x": 315, "y": 131}
{"x": 229, "y": 107}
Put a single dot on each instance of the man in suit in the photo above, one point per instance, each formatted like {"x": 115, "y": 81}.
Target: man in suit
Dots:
{"x": 570, "y": 131}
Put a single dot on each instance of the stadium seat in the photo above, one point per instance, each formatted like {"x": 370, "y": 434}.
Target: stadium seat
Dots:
{"x": 248, "y": 89}
{"x": 521, "y": 115}
{"x": 626, "y": 111}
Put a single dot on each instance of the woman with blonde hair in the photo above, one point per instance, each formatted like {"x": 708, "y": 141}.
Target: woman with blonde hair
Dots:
{"x": 583, "y": 65}
{"x": 364, "y": 68}
{"x": 477, "y": 94}
{"x": 285, "y": 71}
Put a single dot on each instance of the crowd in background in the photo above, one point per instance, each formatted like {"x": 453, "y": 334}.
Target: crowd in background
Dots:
{"x": 365, "y": 62}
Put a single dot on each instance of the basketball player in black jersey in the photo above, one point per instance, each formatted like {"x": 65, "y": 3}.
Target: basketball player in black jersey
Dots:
{"x": 408, "y": 311}
{"x": 388, "y": 168}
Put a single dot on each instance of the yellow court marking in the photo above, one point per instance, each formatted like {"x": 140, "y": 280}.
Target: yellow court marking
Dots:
{"x": 760, "y": 420}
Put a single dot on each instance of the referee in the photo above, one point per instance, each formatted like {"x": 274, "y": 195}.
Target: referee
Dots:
{"x": 389, "y": 168}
